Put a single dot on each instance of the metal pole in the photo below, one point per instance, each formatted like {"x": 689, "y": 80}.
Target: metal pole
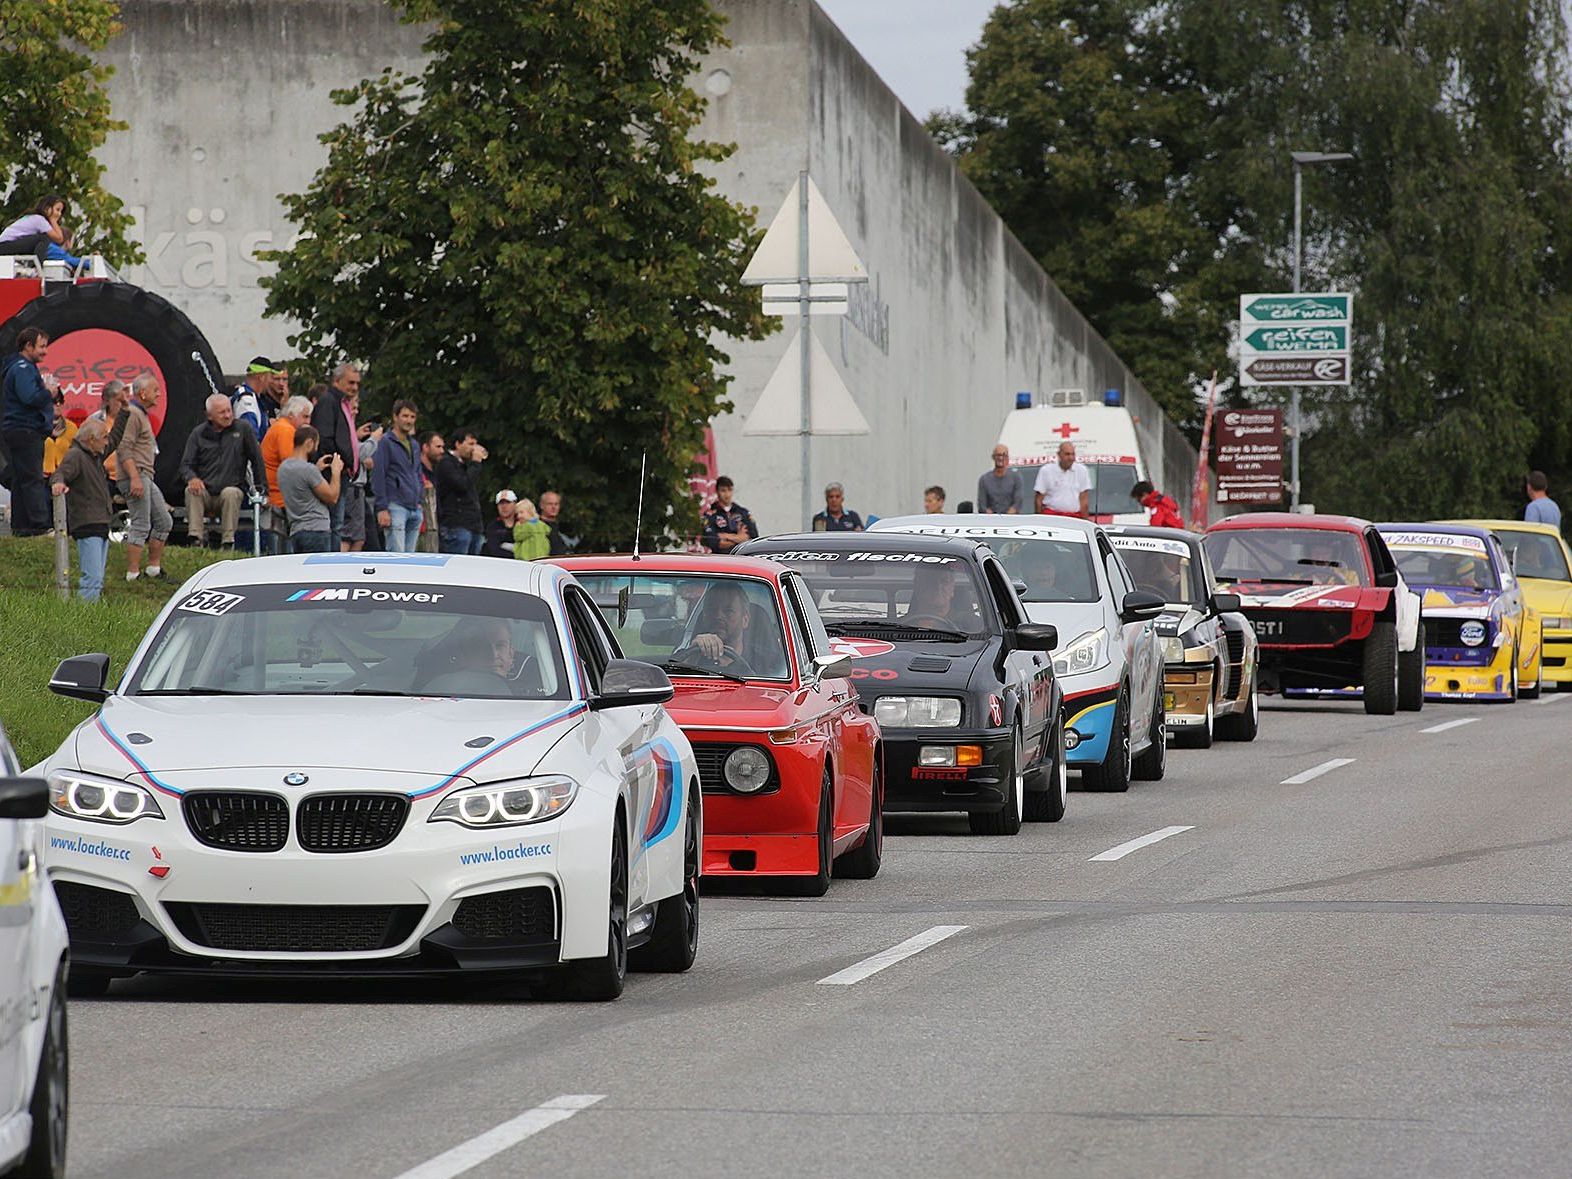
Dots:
{"x": 1293, "y": 397}
{"x": 805, "y": 352}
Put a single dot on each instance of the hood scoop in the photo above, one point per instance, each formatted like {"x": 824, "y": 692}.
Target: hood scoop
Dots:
{"x": 933, "y": 663}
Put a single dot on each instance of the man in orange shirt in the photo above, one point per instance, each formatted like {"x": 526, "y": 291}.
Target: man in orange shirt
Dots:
{"x": 277, "y": 446}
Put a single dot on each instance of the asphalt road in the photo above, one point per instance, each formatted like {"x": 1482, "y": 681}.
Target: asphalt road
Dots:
{"x": 1368, "y": 972}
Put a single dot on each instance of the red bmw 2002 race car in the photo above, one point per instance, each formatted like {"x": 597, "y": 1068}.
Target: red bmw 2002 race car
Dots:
{"x": 1329, "y": 607}
{"x": 788, "y": 762}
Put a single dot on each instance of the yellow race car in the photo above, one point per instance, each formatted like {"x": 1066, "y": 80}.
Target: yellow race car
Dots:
{"x": 1544, "y": 567}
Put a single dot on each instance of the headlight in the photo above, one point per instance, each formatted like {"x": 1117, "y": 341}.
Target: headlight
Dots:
{"x": 1556, "y": 622}
{"x": 1087, "y": 653}
{"x": 746, "y": 769}
{"x": 1173, "y": 650}
{"x": 507, "y": 804}
{"x": 917, "y": 712}
{"x": 101, "y": 800}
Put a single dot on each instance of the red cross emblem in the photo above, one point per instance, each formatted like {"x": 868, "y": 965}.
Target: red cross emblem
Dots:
{"x": 1064, "y": 430}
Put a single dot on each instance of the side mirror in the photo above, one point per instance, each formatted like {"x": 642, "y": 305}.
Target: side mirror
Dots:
{"x": 1226, "y": 603}
{"x": 1387, "y": 579}
{"x": 632, "y": 682}
{"x": 83, "y": 677}
{"x": 1036, "y": 636}
{"x": 1139, "y": 606}
{"x": 832, "y": 667}
{"x": 23, "y": 798}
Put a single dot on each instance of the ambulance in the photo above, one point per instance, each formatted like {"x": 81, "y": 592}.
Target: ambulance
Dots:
{"x": 1103, "y": 432}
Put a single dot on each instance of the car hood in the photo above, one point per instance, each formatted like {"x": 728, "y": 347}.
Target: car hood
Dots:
{"x": 1547, "y": 597}
{"x": 708, "y": 704}
{"x": 1073, "y": 619}
{"x": 1178, "y": 619}
{"x": 940, "y": 664}
{"x": 1280, "y": 596}
{"x": 1453, "y": 601}
{"x": 424, "y": 736}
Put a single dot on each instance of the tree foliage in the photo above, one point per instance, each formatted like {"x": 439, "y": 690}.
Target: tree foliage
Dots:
{"x": 1162, "y": 191}
{"x": 54, "y": 115}
{"x": 523, "y": 238}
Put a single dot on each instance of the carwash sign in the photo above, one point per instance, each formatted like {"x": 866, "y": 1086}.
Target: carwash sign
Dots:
{"x": 1295, "y": 339}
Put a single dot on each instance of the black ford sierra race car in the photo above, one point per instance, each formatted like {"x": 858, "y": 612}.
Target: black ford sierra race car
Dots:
{"x": 944, "y": 657}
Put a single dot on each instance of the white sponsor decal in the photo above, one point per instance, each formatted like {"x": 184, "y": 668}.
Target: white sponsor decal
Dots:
{"x": 1152, "y": 544}
{"x": 211, "y": 602}
{"x": 1000, "y": 531}
{"x": 1434, "y": 540}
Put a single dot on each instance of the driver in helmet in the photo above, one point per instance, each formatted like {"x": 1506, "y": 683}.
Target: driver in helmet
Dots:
{"x": 933, "y": 596}
{"x": 723, "y": 625}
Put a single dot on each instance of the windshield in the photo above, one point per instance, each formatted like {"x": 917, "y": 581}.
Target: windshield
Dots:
{"x": 692, "y": 624}
{"x": 906, "y": 597}
{"x": 383, "y": 640}
{"x": 1111, "y": 483}
{"x": 1053, "y": 570}
{"x": 1538, "y": 555}
{"x": 1442, "y": 558}
{"x": 1280, "y": 559}
{"x": 1161, "y": 567}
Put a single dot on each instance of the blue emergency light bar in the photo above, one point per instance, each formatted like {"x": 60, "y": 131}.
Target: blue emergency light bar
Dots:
{"x": 1113, "y": 397}
{"x": 1023, "y": 399}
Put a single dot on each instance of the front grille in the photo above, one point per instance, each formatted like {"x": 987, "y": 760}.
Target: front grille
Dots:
{"x": 712, "y": 758}
{"x": 1236, "y": 647}
{"x": 95, "y": 914}
{"x": 295, "y": 929}
{"x": 237, "y": 822}
{"x": 350, "y": 822}
{"x": 514, "y": 915}
{"x": 1448, "y": 632}
{"x": 1321, "y": 627}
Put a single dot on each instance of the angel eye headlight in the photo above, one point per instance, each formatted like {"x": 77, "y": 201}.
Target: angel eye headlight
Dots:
{"x": 1087, "y": 653}
{"x": 100, "y": 800}
{"x": 507, "y": 804}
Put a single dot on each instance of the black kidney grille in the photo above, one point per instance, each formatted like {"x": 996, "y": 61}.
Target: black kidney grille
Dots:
{"x": 515, "y": 915}
{"x": 295, "y": 929}
{"x": 350, "y": 822}
{"x": 237, "y": 822}
{"x": 95, "y": 914}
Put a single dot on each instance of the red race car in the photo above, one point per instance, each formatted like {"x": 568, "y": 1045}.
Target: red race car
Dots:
{"x": 788, "y": 762}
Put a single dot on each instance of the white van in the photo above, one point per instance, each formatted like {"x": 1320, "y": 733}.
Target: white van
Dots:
{"x": 1105, "y": 444}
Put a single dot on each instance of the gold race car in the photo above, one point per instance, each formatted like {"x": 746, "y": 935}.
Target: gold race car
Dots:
{"x": 1209, "y": 648}
{"x": 1543, "y": 566}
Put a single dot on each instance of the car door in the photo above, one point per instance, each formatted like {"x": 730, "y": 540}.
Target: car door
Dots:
{"x": 620, "y": 738}
{"x": 19, "y": 881}
{"x": 1515, "y": 612}
{"x": 849, "y": 732}
{"x": 1134, "y": 637}
{"x": 1031, "y": 670}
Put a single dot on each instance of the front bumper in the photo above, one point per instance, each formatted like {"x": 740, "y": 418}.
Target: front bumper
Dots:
{"x": 1456, "y": 674}
{"x": 1558, "y": 657}
{"x": 911, "y": 787}
{"x": 1187, "y": 687}
{"x": 1088, "y": 720}
{"x": 440, "y": 898}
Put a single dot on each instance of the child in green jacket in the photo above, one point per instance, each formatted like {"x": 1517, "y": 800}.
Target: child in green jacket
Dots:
{"x": 531, "y": 534}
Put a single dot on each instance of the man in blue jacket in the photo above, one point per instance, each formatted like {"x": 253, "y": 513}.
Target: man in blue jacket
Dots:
{"x": 27, "y": 416}
{"x": 396, "y": 480}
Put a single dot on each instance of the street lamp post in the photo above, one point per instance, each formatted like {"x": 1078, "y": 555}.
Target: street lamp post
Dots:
{"x": 1302, "y": 160}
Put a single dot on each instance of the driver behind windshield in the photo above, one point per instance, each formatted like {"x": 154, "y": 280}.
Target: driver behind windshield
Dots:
{"x": 477, "y": 656}
{"x": 932, "y": 599}
{"x": 722, "y": 628}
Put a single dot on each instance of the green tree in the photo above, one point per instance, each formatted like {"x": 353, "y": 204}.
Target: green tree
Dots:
{"x": 524, "y": 239}
{"x": 54, "y": 115}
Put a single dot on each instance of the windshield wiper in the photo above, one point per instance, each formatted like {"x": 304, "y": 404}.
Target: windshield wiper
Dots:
{"x": 357, "y": 692}
{"x": 690, "y": 669}
{"x": 936, "y": 634}
{"x": 197, "y": 691}
{"x": 878, "y": 625}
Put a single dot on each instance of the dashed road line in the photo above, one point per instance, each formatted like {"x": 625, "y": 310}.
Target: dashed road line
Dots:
{"x": 1451, "y": 724}
{"x": 1124, "y": 849}
{"x": 1325, "y": 767}
{"x": 469, "y": 1155}
{"x": 1553, "y": 697}
{"x": 887, "y": 958}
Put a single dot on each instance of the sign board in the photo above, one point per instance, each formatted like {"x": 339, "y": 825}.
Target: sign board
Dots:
{"x": 1250, "y": 456}
{"x": 1295, "y": 339}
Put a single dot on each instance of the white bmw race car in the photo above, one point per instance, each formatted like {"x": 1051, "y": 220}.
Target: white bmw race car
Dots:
{"x": 376, "y": 764}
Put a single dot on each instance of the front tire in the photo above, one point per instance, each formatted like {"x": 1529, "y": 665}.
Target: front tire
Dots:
{"x": 1153, "y": 762}
{"x": 674, "y": 941}
{"x": 1113, "y": 775}
{"x": 600, "y": 980}
{"x": 1380, "y": 670}
{"x": 1411, "y": 676}
{"x": 862, "y": 862}
{"x": 1006, "y": 820}
{"x": 46, "y": 1151}
{"x": 1242, "y": 726}
{"x": 1047, "y": 806}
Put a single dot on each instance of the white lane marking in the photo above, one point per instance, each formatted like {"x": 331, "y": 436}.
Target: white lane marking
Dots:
{"x": 1316, "y": 771}
{"x": 1551, "y": 696}
{"x": 468, "y": 1155}
{"x": 1124, "y": 849}
{"x": 885, "y": 958}
{"x": 1451, "y": 724}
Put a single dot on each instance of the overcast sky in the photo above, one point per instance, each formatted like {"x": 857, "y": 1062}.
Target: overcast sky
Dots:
{"x": 917, "y": 46}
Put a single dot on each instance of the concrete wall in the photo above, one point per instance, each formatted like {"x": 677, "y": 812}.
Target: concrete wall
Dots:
{"x": 226, "y": 99}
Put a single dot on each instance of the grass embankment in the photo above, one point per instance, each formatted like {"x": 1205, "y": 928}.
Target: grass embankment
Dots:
{"x": 37, "y": 630}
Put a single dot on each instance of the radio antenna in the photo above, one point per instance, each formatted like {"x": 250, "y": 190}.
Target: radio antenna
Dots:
{"x": 638, "y": 527}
